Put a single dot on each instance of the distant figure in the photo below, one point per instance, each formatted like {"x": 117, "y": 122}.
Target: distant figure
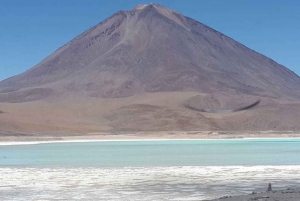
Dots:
{"x": 269, "y": 187}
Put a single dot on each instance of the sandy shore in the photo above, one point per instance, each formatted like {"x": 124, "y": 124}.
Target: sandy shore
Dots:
{"x": 7, "y": 138}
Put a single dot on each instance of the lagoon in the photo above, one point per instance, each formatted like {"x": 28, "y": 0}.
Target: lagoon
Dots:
{"x": 154, "y": 153}
{"x": 147, "y": 170}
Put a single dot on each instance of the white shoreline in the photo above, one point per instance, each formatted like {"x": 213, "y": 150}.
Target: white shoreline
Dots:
{"x": 15, "y": 143}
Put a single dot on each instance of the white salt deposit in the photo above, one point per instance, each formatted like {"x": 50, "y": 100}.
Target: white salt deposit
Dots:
{"x": 143, "y": 184}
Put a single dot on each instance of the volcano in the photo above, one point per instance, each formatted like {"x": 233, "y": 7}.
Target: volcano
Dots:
{"x": 138, "y": 69}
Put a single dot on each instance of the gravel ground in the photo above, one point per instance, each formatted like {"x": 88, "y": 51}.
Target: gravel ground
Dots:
{"x": 283, "y": 195}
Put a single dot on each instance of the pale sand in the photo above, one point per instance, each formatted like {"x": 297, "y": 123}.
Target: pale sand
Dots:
{"x": 17, "y": 139}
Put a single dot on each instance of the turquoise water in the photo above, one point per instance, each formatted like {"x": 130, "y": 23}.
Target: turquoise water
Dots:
{"x": 147, "y": 170}
{"x": 154, "y": 153}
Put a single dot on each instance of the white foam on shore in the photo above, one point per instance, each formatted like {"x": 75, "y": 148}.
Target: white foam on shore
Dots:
{"x": 79, "y": 141}
{"x": 11, "y": 143}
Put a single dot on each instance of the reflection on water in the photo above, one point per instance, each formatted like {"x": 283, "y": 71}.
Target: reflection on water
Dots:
{"x": 149, "y": 183}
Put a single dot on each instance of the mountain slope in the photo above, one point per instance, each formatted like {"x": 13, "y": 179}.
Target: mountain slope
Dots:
{"x": 152, "y": 49}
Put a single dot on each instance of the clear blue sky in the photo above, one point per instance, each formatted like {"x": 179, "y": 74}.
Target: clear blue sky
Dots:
{"x": 30, "y": 30}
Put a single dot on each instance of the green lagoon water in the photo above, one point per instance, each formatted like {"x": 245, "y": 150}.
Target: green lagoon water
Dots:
{"x": 154, "y": 153}
{"x": 147, "y": 170}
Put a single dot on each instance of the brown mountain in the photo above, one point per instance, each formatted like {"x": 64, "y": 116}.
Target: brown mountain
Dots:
{"x": 137, "y": 69}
